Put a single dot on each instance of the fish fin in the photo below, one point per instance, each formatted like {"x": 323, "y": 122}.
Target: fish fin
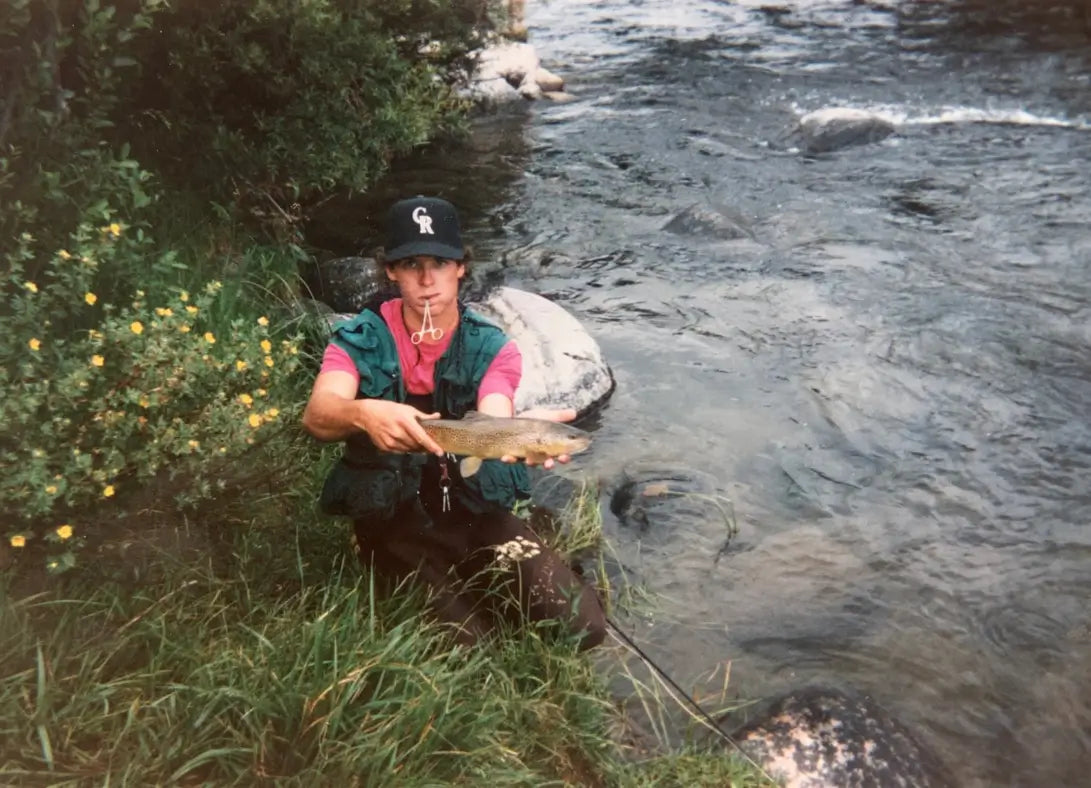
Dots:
{"x": 476, "y": 414}
{"x": 469, "y": 466}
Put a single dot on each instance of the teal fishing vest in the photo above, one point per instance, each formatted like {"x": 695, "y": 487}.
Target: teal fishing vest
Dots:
{"x": 369, "y": 483}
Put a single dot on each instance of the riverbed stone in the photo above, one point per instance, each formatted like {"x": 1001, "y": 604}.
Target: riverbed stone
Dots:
{"x": 563, "y": 366}
{"x": 834, "y": 128}
{"x": 709, "y": 221}
{"x": 548, "y": 81}
{"x": 505, "y": 71}
{"x": 819, "y": 736}
{"x": 344, "y": 283}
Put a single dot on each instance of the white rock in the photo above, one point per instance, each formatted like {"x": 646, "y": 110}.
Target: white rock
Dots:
{"x": 558, "y": 95}
{"x": 833, "y": 128}
{"x": 529, "y": 89}
{"x": 491, "y": 91}
{"x": 563, "y": 366}
{"x": 512, "y": 61}
{"x": 548, "y": 81}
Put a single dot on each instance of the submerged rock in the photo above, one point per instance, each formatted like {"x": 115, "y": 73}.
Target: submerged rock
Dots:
{"x": 563, "y": 366}
{"x": 818, "y": 737}
{"x": 652, "y": 498}
{"x": 712, "y": 222}
{"x": 834, "y": 128}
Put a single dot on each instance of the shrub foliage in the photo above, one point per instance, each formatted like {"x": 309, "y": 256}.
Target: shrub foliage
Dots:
{"x": 124, "y": 361}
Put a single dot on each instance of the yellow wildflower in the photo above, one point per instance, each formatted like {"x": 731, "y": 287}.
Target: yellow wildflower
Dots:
{"x": 51, "y": 489}
{"x": 268, "y": 361}
{"x": 184, "y": 328}
{"x": 194, "y": 444}
{"x": 18, "y": 541}
{"x": 163, "y": 311}
{"x": 266, "y": 346}
{"x": 64, "y": 532}
{"x": 90, "y": 298}
{"x": 240, "y": 365}
{"x": 137, "y": 327}
{"x": 114, "y": 229}
{"x": 246, "y": 400}
{"x": 108, "y": 491}
{"x": 31, "y": 287}
{"x": 92, "y": 334}
{"x": 263, "y": 321}
{"x": 255, "y": 420}
{"x": 183, "y": 296}
{"x": 34, "y": 344}
{"x": 210, "y": 338}
{"x": 261, "y": 392}
{"x": 223, "y": 450}
{"x": 192, "y": 309}
{"x": 143, "y": 402}
{"x": 97, "y": 361}
{"x": 272, "y": 413}
{"x": 64, "y": 255}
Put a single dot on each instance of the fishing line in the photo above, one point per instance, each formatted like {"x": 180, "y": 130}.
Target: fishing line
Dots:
{"x": 674, "y": 691}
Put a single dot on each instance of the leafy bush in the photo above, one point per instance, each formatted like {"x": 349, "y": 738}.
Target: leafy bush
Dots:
{"x": 103, "y": 397}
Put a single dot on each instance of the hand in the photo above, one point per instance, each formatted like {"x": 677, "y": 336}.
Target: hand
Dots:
{"x": 395, "y": 427}
{"x": 562, "y": 415}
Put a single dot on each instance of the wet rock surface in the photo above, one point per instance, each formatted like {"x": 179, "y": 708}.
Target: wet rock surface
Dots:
{"x": 818, "y": 736}
{"x": 563, "y": 366}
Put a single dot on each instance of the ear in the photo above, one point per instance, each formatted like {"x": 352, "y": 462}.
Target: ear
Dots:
{"x": 461, "y": 270}
{"x": 390, "y": 273}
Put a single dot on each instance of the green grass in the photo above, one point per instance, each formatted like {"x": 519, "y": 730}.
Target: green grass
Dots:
{"x": 276, "y": 664}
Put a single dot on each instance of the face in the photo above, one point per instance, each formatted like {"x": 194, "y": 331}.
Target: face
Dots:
{"x": 429, "y": 279}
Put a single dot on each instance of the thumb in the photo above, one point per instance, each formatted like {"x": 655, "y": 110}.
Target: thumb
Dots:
{"x": 422, "y": 416}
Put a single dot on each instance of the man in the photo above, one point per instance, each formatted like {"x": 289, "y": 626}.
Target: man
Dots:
{"x": 423, "y": 356}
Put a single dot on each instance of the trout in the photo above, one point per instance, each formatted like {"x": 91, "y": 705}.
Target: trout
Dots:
{"x": 478, "y": 437}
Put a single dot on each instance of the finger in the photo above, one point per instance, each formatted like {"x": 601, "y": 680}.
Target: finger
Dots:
{"x": 422, "y": 416}
{"x": 509, "y": 458}
{"x": 547, "y": 414}
{"x": 422, "y": 439}
{"x": 563, "y": 458}
{"x": 548, "y": 463}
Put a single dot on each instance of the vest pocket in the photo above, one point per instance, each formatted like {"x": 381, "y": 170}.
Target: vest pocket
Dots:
{"x": 367, "y": 491}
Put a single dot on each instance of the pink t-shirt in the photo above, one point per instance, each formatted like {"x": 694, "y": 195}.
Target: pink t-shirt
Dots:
{"x": 418, "y": 362}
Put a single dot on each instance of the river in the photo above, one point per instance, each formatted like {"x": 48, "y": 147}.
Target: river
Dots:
{"x": 888, "y": 375}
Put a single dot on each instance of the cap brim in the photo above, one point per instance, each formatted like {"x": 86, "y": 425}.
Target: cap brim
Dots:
{"x": 427, "y": 248}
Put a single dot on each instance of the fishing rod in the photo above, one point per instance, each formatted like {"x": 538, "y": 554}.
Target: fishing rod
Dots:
{"x": 674, "y": 690}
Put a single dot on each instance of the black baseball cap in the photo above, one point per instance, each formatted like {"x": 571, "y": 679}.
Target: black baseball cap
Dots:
{"x": 423, "y": 226}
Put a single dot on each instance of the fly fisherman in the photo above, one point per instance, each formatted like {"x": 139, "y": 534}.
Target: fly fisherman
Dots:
{"x": 425, "y": 356}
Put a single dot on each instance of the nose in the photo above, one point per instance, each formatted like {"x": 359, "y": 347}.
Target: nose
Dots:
{"x": 427, "y": 275}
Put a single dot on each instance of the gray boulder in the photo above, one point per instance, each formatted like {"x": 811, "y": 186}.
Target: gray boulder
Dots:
{"x": 345, "y": 283}
{"x": 834, "y": 128}
{"x": 563, "y": 366}
{"x": 818, "y": 737}
{"x": 711, "y": 222}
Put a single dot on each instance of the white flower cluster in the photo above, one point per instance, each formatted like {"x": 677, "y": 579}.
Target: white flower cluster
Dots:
{"x": 518, "y": 549}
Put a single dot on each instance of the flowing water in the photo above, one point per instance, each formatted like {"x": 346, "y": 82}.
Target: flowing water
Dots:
{"x": 888, "y": 373}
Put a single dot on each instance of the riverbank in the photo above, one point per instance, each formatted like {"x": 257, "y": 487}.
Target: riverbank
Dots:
{"x": 270, "y": 659}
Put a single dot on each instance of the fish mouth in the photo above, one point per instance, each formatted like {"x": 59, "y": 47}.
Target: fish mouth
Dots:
{"x": 576, "y": 445}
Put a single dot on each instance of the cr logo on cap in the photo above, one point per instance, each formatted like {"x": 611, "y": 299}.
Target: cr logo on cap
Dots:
{"x": 423, "y": 220}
